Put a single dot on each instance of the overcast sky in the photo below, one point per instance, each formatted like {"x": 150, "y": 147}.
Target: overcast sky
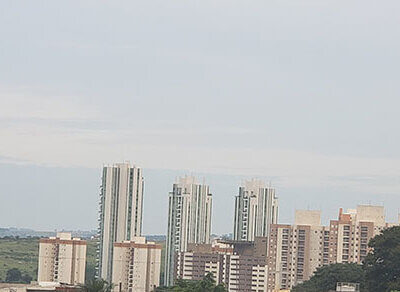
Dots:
{"x": 301, "y": 93}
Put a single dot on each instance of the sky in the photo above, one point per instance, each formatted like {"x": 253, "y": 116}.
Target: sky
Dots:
{"x": 302, "y": 94}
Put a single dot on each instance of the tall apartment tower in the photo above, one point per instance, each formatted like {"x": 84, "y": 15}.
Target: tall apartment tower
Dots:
{"x": 136, "y": 266}
{"x": 189, "y": 220}
{"x": 256, "y": 208}
{"x": 62, "y": 259}
{"x": 120, "y": 215}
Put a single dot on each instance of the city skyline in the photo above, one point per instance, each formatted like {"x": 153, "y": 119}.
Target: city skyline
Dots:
{"x": 83, "y": 185}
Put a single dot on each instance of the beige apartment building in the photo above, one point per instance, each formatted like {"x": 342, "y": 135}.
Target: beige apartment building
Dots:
{"x": 136, "y": 265}
{"x": 296, "y": 251}
{"x": 62, "y": 259}
{"x": 350, "y": 234}
{"x": 239, "y": 265}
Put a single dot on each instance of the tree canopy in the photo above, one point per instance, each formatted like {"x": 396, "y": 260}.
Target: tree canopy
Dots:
{"x": 382, "y": 264}
{"x": 14, "y": 275}
{"x": 206, "y": 285}
{"x": 97, "y": 285}
{"x": 326, "y": 277}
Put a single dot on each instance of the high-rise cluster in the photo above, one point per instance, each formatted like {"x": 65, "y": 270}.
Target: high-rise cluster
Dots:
{"x": 189, "y": 252}
{"x": 288, "y": 255}
{"x": 262, "y": 256}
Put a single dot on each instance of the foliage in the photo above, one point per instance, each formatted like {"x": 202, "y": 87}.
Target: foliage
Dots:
{"x": 382, "y": 264}
{"x": 97, "y": 285}
{"x": 13, "y": 276}
{"x": 26, "y": 279}
{"x": 90, "y": 260}
{"x": 326, "y": 277}
{"x": 21, "y": 254}
{"x": 205, "y": 285}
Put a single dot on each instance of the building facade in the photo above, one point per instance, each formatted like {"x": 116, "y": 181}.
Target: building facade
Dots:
{"x": 62, "y": 259}
{"x": 256, "y": 208}
{"x": 189, "y": 220}
{"x": 296, "y": 251}
{"x": 239, "y": 265}
{"x": 351, "y": 232}
{"x": 136, "y": 265}
{"x": 120, "y": 215}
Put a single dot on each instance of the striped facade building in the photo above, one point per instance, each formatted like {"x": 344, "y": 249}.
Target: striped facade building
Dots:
{"x": 120, "y": 215}
{"x": 256, "y": 208}
{"x": 189, "y": 220}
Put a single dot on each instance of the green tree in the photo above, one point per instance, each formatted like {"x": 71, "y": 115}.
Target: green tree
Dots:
{"x": 326, "y": 277}
{"x": 207, "y": 284}
{"x": 26, "y": 279}
{"x": 13, "y": 276}
{"x": 97, "y": 285}
{"x": 382, "y": 264}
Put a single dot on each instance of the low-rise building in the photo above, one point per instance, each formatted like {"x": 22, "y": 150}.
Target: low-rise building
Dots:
{"x": 239, "y": 265}
{"x": 62, "y": 259}
{"x": 136, "y": 265}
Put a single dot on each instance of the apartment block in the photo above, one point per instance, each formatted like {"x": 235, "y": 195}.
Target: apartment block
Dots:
{"x": 256, "y": 208}
{"x": 136, "y": 265}
{"x": 62, "y": 259}
{"x": 351, "y": 232}
{"x": 120, "y": 215}
{"x": 296, "y": 251}
{"x": 239, "y": 265}
{"x": 189, "y": 220}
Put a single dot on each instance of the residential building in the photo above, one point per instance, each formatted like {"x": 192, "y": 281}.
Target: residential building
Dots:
{"x": 239, "y": 265}
{"x": 256, "y": 208}
{"x": 62, "y": 259}
{"x": 352, "y": 231}
{"x": 120, "y": 215}
{"x": 296, "y": 251}
{"x": 189, "y": 220}
{"x": 136, "y": 265}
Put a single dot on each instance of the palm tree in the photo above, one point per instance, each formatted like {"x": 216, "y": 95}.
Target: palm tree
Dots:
{"x": 97, "y": 285}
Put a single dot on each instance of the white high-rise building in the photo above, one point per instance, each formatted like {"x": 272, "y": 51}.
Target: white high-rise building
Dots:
{"x": 256, "y": 208}
{"x": 189, "y": 220}
{"x": 121, "y": 204}
{"x": 62, "y": 259}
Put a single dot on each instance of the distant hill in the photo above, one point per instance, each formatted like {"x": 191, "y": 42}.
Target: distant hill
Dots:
{"x": 25, "y": 233}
